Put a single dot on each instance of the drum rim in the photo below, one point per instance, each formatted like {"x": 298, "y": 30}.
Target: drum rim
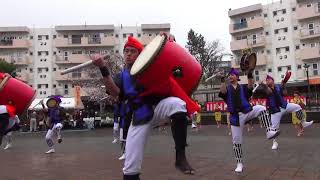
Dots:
{"x": 48, "y": 101}
{"x": 153, "y": 57}
{"x": 4, "y": 81}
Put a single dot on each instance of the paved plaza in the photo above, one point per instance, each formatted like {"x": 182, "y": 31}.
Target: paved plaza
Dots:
{"x": 91, "y": 155}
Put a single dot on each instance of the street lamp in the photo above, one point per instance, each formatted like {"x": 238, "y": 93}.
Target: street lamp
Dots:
{"x": 306, "y": 67}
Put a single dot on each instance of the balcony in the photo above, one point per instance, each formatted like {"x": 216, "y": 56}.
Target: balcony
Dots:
{"x": 145, "y": 39}
{"x": 261, "y": 61}
{"x": 247, "y": 43}
{"x": 309, "y": 53}
{"x": 24, "y": 76}
{"x": 85, "y": 42}
{"x": 256, "y": 23}
{"x": 71, "y": 59}
{"x": 310, "y": 33}
{"x": 308, "y": 12}
{"x": 14, "y": 44}
{"x": 76, "y": 76}
{"x": 23, "y": 60}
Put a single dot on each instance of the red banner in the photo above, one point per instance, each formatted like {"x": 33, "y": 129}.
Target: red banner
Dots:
{"x": 222, "y": 106}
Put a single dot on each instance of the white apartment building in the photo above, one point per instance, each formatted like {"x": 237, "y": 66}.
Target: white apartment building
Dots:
{"x": 40, "y": 54}
{"x": 284, "y": 34}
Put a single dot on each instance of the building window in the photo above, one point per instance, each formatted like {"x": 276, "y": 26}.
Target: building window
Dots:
{"x": 274, "y": 13}
{"x": 315, "y": 66}
{"x": 47, "y": 85}
{"x": 276, "y": 31}
{"x": 265, "y": 15}
{"x": 31, "y": 37}
{"x": 280, "y": 57}
{"x": 131, "y": 34}
{"x": 139, "y": 35}
{"x": 117, "y": 35}
{"x": 279, "y": 69}
{"x": 124, "y": 35}
{"x": 39, "y": 53}
{"x": 309, "y": 5}
{"x": 315, "y": 72}
{"x": 268, "y": 51}
{"x": 278, "y": 50}
{"x": 284, "y": 11}
{"x": 295, "y": 28}
{"x": 47, "y": 37}
{"x": 31, "y": 70}
{"x": 31, "y": 53}
{"x": 54, "y": 69}
{"x": 285, "y": 56}
{"x": 269, "y": 70}
{"x": 47, "y": 53}
{"x": 39, "y": 37}
{"x": 257, "y": 78}
{"x": 289, "y": 68}
{"x": 267, "y": 33}
{"x": 54, "y": 86}
{"x": 299, "y": 66}
{"x": 285, "y": 29}
{"x": 54, "y": 36}
{"x": 39, "y": 86}
{"x": 40, "y": 92}
{"x": 287, "y": 49}
{"x": 65, "y": 36}
{"x": 66, "y": 86}
{"x": 293, "y": 9}
{"x": 150, "y": 34}
{"x": 66, "y": 91}
{"x": 256, "y": 72}
{"x": 282, "y": 19}
{"x": 44, "y": 92}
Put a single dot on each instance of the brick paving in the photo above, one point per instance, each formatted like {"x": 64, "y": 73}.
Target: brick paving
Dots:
{"x": 91, "y": 155}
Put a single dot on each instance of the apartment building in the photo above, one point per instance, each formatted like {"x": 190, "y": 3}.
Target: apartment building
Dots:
{"x": 40, "y": 54}
{"x": 285, "y": 35}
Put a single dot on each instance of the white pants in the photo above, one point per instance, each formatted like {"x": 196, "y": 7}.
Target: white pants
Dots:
{"x": 137, "y": 135}
{"x": 54, "y": 131}
{"x": 276, "y": 117}
{"x": 243, "y": 118}
{"x": 33, "y": 124}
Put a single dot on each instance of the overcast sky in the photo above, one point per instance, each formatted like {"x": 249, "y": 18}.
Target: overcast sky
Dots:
{"x": 208, "y": 17}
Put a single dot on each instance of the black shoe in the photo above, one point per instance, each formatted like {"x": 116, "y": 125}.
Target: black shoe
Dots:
{"x": 131, "y": 177}
{"x": 59, "y": 141}
{"x": 182, "y": 163}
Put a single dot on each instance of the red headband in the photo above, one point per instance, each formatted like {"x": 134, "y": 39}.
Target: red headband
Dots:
{"x": 132, "y": 42}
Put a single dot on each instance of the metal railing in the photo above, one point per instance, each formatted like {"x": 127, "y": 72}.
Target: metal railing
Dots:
{"x": 240, "y": 25}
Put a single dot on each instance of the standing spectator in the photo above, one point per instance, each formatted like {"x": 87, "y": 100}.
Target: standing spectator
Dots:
{"x": 295, "y": 121}
{"x": 217, "y": 117}
{"x": 33, "y": 121}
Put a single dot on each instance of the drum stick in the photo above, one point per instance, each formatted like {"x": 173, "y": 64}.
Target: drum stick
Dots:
{"x": 208, "y": 79}
{"x": 74, "y": 68}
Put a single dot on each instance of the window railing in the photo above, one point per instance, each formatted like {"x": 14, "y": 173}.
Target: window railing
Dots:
{"x": 94, "y": 40}
{"x": 6, "y": 42}
{"x": 240, "y": 25}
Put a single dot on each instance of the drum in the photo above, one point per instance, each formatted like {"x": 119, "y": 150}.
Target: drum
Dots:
{"x": 20, "y": 93}
{"x": 163, "y": 58}
{"x": 248, "y": 62}
{"x": 261, "y": 91}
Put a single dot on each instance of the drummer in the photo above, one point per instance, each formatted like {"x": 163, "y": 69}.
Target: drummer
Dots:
{"x": 237, "y": 97}
{"x": 8, "y": 121}
{"x": 278, "y": 107}
{"x": 144, "y": 115}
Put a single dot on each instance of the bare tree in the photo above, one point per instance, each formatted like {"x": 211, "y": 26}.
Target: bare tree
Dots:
{"x": 94, "y": 86}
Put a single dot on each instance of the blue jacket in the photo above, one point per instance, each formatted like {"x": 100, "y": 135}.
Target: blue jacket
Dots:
{"x": 276, "y": 100}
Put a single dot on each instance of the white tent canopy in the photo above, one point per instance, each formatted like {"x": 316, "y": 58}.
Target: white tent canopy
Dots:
{"x": 67, "y": 103}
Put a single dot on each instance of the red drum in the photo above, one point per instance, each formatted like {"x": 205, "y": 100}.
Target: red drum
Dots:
{"x": 20, "y": 93}
{"x": 163, "y": 58}
{"x": 165, "y": 68}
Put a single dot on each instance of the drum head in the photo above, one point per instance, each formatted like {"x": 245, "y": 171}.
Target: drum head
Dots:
{"x": 148, "y": 54}
{"x": 51, "y": 103}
